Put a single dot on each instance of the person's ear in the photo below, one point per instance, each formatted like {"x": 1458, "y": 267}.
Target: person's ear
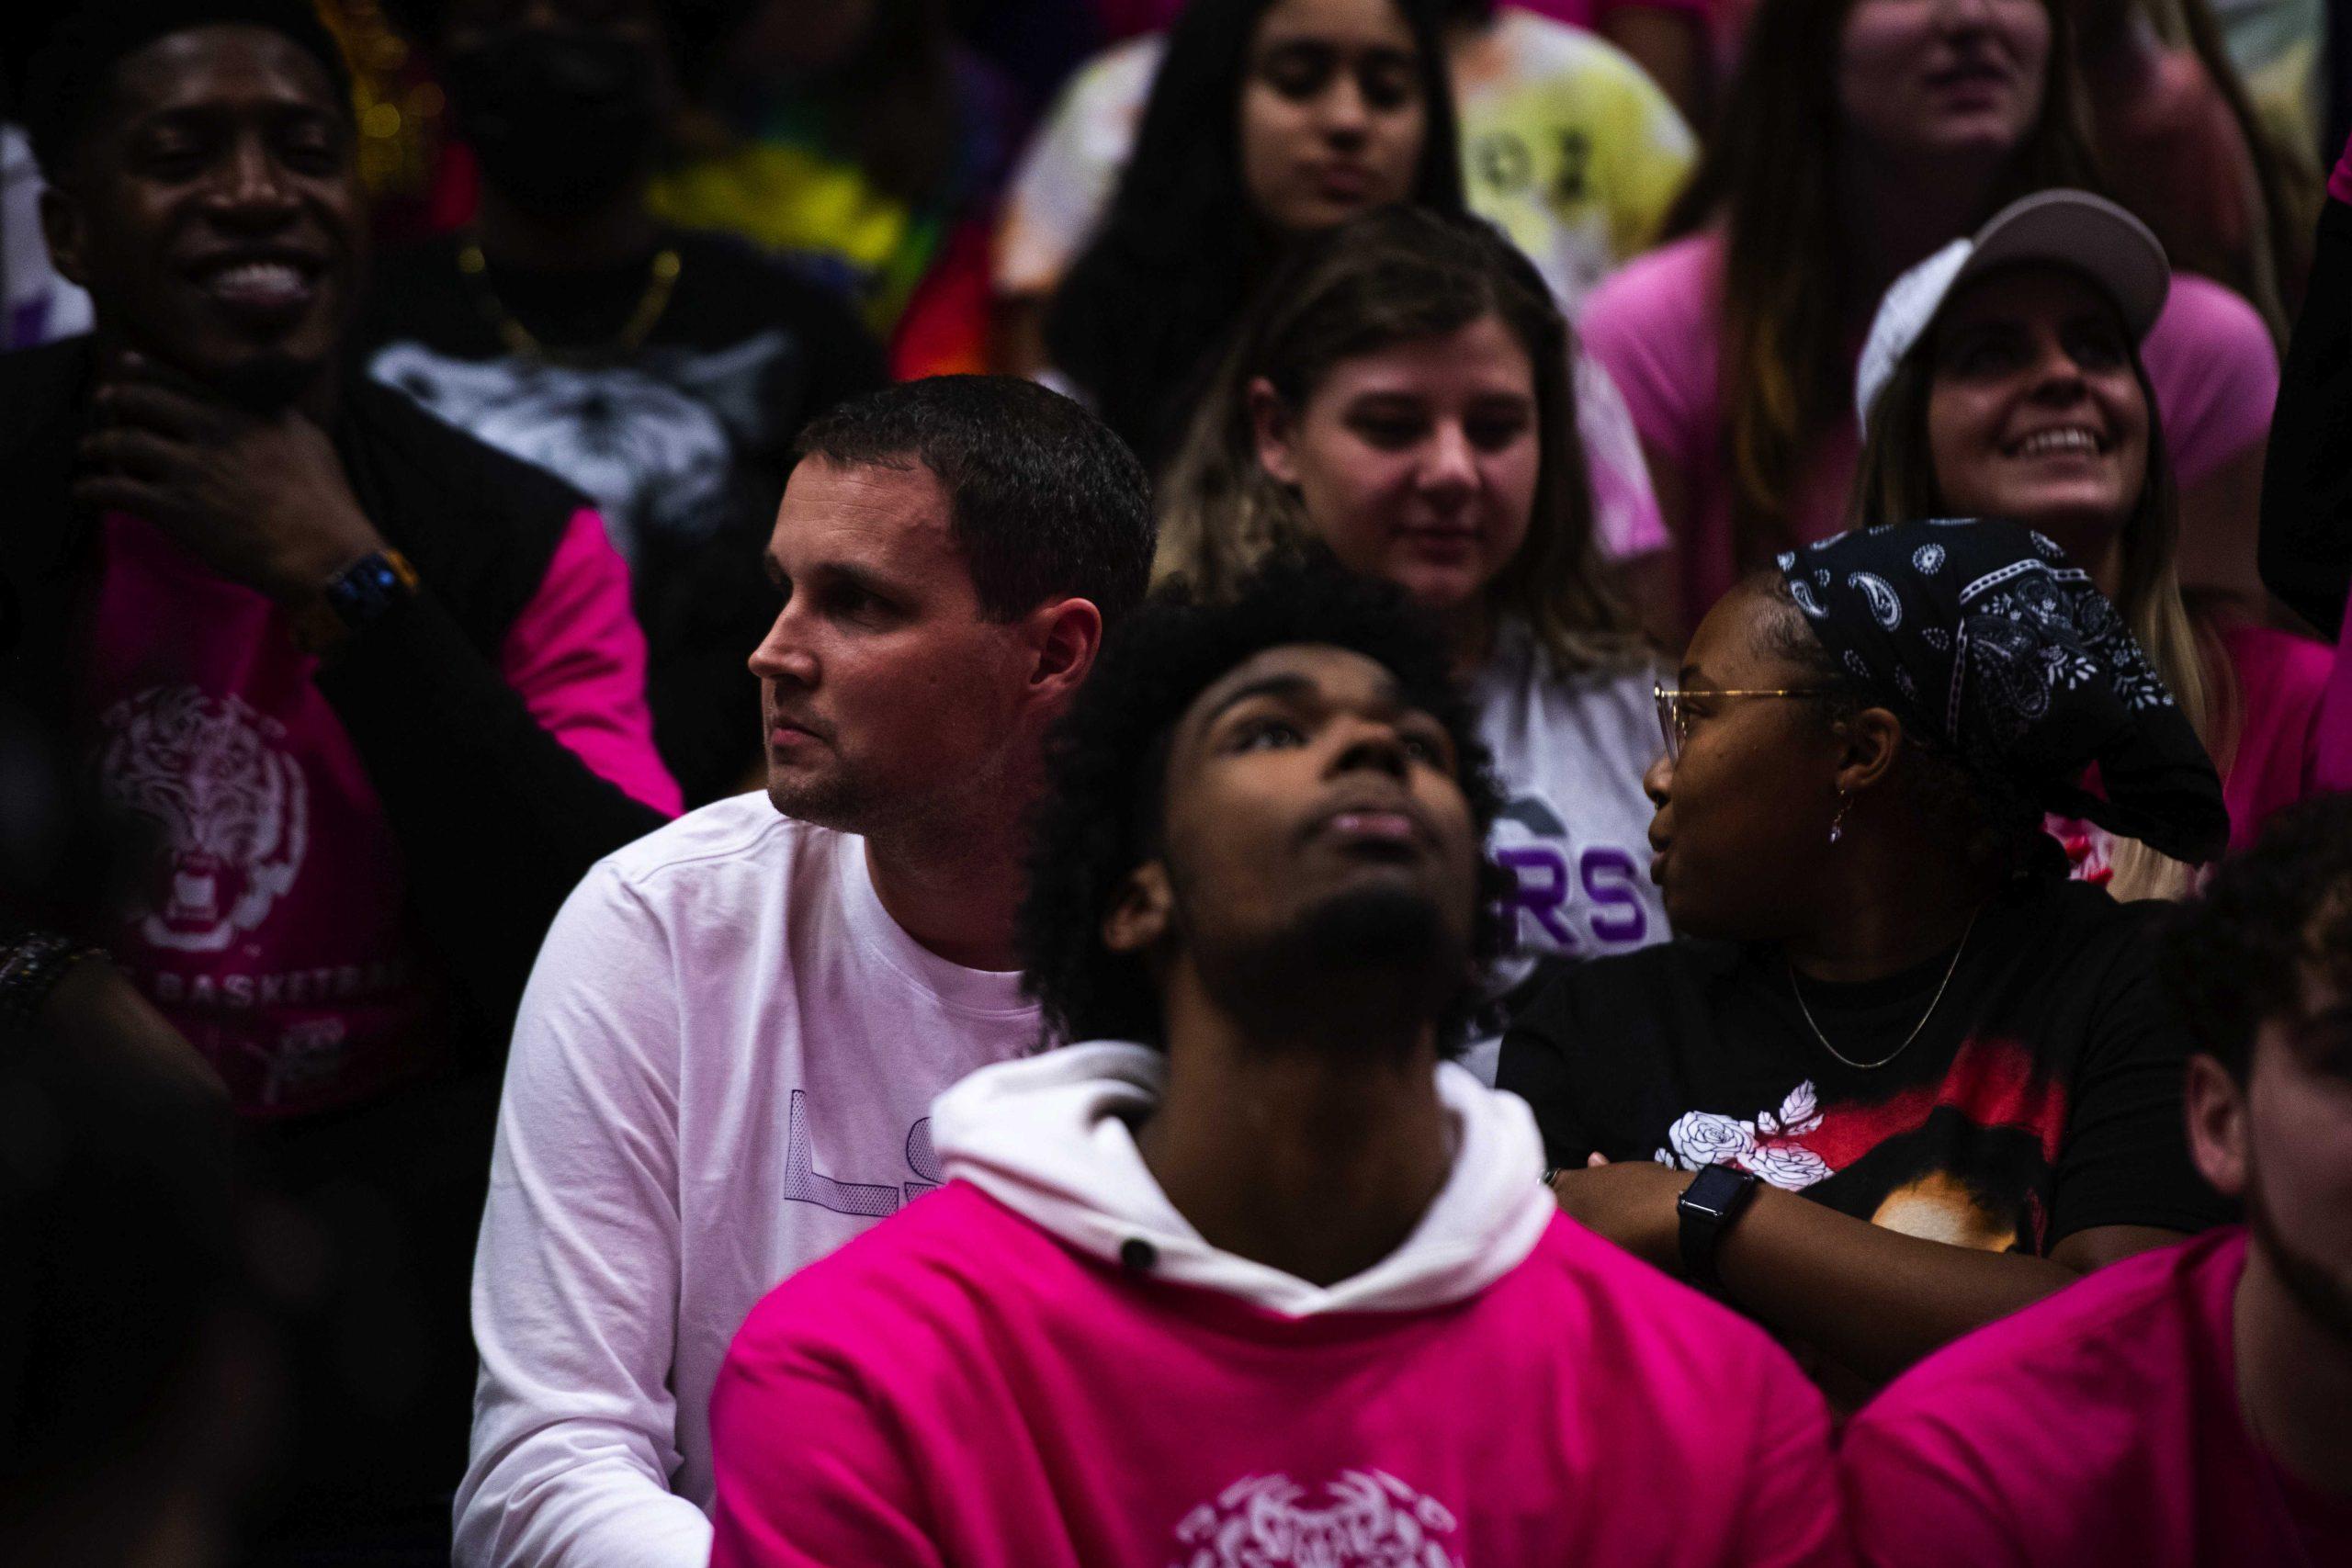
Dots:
{"x": 62, "y": 225}
{"x": 1063, "y": 636}
{"x": 1275, "y": 429}
{"x": 1141, "y": 914}
{"x": 1871, "y": 739}
{"x": 2217, "y": 1132}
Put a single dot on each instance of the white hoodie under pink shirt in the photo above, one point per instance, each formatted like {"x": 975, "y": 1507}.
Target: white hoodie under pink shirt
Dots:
{"x": 723, "y": 1069}
{"x": 1044, "y": 1365}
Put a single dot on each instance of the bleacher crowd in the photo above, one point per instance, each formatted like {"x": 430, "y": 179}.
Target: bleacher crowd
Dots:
{"x": 1252, "y": 784}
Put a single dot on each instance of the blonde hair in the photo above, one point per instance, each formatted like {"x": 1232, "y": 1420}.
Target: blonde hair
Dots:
{"x": 1895, "y": 481}
{"x": 1399, "y": 276}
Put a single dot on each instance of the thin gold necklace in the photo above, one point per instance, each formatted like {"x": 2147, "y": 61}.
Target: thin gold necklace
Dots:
{"x": 663, "y": 279}
{"x": 1950, "y": 970}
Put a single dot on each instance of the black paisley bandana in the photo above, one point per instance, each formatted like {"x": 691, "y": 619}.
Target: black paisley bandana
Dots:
{"x": 1980, "y": 634}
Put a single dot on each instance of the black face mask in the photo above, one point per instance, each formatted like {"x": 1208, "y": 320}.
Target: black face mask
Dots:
{"x": 561, "y": 121}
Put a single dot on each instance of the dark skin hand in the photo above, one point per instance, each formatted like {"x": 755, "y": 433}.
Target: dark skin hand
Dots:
{"x": 1873, "y": 1299}
{"x": 1740, "y": 820}
{"x": 261, "y": 497}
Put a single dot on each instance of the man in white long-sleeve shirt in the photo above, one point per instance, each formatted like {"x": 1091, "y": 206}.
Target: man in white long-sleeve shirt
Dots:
{"x": 726, "y": 1057}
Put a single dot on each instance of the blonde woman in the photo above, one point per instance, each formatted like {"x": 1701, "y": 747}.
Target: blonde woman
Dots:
{"x": 1401, "y": 398}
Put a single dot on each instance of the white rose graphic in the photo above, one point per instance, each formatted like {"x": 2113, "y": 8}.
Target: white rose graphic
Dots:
{"x": 1791, "y": 1167}
{"x": 1703, "y": 1138}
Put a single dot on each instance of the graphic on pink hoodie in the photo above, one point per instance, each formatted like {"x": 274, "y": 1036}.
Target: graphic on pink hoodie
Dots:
{"x": 1043, "y": 1364}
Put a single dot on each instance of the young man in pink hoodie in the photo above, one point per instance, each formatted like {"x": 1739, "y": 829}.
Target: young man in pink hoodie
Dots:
{"x": 1257, "y": 1275}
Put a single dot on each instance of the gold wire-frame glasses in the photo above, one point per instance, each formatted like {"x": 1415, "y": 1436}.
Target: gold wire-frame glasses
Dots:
{"x": 1674, "y": 719}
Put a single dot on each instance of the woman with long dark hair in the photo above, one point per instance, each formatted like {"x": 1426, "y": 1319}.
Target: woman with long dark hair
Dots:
{"x": 1269, "y": 119}
{"x": 1859, "y": 138}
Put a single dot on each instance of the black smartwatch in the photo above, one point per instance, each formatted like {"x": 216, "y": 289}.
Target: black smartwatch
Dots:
{"x": 353, "y": 597}
{"x": 1707, "y": 1208}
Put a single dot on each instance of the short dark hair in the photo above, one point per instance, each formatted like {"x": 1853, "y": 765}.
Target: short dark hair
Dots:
{"x": 66, "y": 81}
{"x": 1107, "y": 763}
{"x": 1045, "y": 499}
{"x": 2236, "y": 955}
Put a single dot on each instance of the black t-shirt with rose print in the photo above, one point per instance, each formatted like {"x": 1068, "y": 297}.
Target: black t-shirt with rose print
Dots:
{"x": 2043, "y": 1098}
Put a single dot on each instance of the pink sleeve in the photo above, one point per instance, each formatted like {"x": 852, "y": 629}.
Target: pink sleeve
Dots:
{"x": 2283, "y": 683}
{"x": 576, "y": 658}
{"x": 1703, "y": 9}
{"x": 1651, "y": 327}
{"x": 1916, "y": 1497}
{"x": 1793, "y": 1516}
{"x": 2331, "y": 744}
{"x": 2216, "y": 375}
{"x": 1626, "y": 517}
{"x": 806, "y": 1477}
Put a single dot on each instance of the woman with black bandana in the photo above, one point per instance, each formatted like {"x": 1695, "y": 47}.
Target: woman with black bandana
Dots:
{"x": 1888, "y": 998}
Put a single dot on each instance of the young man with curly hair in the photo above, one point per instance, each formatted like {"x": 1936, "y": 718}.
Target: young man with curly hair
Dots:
{"x": 2187, "y": 1405}
{"x": 1256, "y": 1273}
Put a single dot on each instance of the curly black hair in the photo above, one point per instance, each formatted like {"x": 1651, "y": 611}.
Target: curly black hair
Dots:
{"x": 1106, "y": 776}
{"x": 2237, "y": 955}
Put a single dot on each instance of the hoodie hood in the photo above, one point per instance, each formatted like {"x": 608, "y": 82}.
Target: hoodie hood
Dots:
{"x": 1050, "y": 1138}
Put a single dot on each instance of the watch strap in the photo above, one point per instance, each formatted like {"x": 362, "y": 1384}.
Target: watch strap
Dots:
{"x": 354, "y": 597}
{"x": 1706, "y": 1208}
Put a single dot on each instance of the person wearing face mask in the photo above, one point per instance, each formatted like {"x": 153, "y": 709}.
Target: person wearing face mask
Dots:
{"x": 1860, "y": 136}
{"x": 1398, "y": 401}
{"x": 1896, "y": 1076}
{"x": 2002, "y": 378}
{"x": 663, "y": 372}
{"x": 864, "y": 143}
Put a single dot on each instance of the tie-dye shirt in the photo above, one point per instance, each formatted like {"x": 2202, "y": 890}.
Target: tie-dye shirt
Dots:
{"x": 1566, "y": 146}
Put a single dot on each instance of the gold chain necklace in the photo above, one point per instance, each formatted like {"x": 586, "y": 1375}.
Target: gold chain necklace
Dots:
{"x": 659, "y": 286}
{"x": 1951, "y": 969}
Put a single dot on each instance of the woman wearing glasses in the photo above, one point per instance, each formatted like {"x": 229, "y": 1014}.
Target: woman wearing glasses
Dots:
{"x": 1897, "y": 1076}
{"x": 1400, "y": 398}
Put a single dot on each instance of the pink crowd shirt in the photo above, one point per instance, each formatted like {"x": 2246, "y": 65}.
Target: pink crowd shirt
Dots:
{"x": 270, "y": 922}
{"x": 2333, "y": 766}
{"x": 2281, "y": 682}
{"x": 1043, "y": 1365}
{"x": 1656, "y": 328}
{"x": 2101, "y": 1425}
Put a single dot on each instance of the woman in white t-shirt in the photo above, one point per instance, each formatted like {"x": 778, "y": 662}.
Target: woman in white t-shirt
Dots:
{"x": 1401, "y": 396}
